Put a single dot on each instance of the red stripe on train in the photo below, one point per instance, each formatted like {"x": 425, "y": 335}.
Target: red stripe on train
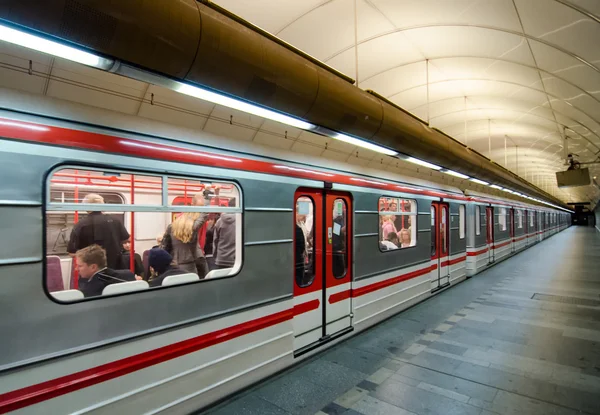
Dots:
{"x": 475, "y": 253}
{"x": 453, "y": 261}
{"x": 30, "y": 395}
{"x": 306, "y": 307}
{"x": 40, "y": 133}
{"x": 357, "y": 292}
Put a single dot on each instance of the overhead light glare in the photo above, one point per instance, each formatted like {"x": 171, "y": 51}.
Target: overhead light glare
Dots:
{"x": 364, "y": 144}
{"x": 239, "y": 105}
{"x": 27, "y": 40}
{"x": 423, "y": 163}
{"x": 455, "y": 173}
{"x": 495, "y": 186}
{"x": 474, "y": 180}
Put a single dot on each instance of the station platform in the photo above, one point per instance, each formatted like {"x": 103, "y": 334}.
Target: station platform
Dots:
{"x": 520, "y": 338}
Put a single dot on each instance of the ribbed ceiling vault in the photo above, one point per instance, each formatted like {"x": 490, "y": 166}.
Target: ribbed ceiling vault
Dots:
{"x": 524, "y": 71}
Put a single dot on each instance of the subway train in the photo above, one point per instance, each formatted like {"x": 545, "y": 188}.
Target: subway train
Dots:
{"x": 371, "y": 247}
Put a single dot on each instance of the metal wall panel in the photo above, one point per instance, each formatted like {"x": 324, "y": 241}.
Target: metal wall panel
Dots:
{"x": 268, "y": 226}
{"x": 21, "y": 234}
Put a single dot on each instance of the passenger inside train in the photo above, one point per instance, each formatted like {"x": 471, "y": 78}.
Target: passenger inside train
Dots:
{"x": 94, "y": 274}
{"x": 195, "y": 223}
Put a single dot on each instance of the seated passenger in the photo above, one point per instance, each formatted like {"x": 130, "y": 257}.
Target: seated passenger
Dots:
{"x": 160, "y": 265}
{"x": 404, "y": 236}
{"x": 125, "y": 255}
{"x": 391, "y": 241}
{"x": 94, "y": 276}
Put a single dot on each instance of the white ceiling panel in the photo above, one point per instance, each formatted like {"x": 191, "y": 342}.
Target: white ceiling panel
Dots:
{"x": 498, "y": 13}
{"x": 562, "y": 26}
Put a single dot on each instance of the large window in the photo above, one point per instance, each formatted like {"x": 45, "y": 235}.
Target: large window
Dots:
{"x": 519, "y": 219}
{"x": 111, "y": 232}
{"x": 477, "y": 220}
{"x": 502, "y": 219}
{"x": 397, "y": 223}
{"x": 461, "y": 222}
{"x": 304, "y": 242}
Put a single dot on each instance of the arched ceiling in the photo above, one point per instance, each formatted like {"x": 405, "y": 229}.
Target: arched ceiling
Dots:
{"x": 507, "y": 77}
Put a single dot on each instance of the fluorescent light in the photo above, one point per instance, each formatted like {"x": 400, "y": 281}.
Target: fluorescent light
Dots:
{"x": 423, "y": 163}
{"x": 364, "y": 144}
{"x": 474, "y": 180}
{"x": 495, "y": 186}
{"x": 455, "y": 173}
{"x": 241, "y": 106}
{"x": 18, "y": 37}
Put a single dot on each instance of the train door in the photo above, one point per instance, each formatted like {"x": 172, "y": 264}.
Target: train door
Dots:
{"x": 512, "y": 230}
{"x": 440, "y": 245}
{"x": 489, "y": 220}
{"x": 323, "y": 271}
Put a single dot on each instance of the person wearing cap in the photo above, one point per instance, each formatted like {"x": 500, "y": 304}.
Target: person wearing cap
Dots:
{"x": 160, "y": 265}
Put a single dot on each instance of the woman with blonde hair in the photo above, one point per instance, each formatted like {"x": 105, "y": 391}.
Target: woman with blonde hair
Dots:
{"x": 181, "y": 242}
{"x": 404, "y": 237}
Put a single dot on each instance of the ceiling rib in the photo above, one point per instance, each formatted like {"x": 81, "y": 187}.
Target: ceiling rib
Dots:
{"x": 538, "y": 71}
{"x": 477, "y": 26}
{"x": 583, "y": 91}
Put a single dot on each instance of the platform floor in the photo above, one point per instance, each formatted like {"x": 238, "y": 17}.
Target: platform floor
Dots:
{"x": 482, "y": 347}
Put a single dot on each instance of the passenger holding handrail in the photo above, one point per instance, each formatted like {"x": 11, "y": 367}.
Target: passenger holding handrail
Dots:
{"x": 181, "y": 240}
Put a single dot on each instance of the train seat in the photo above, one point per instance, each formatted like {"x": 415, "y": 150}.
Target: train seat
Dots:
{"x": 67, "y": 295}
{"x": 54, "y": 274}
{"x": 216, "y": 273}
{"x": 125, "y": 287}
{"x": 180, "y": 279}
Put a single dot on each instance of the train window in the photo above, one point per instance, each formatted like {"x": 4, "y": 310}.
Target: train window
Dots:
{"x": 339, "y": 257}
{"x": 502, "y": 219}
{"x": 101, "y": 226}
{"x": 304, "y": 241}
{"x": 531, "y": 219}
{"x": 397, "y": 223}
{"x": 461, "y": 221}
{"x": 519, "y": 219}
{"x": 477, "y": 220}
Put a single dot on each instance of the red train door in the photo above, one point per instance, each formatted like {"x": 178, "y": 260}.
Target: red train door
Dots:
{"x": 440, "y": 246}
{"x": 322, "y": 270}
{"x": 512, "y": 230}
{"x": 489, "y": 220}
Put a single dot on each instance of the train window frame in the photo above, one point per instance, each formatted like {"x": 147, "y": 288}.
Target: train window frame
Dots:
{"x": 127, "y": 208}
{"x": 462, "y": 222}
{"x": 414, "y": 221}
{"x": 477, "y": 220}
{"x": 502, "y": 218}
{"x": 314, "y": 268}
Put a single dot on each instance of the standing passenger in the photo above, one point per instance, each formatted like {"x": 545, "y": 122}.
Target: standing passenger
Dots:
{"x": 181, "y": 240}
{"x": 100, "y": 229}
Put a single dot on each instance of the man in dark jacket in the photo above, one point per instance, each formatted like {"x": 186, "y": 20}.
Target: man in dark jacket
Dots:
{"x": 94, "y": 275}
{"x": 100, "y": 229}
{"x": 224, "y": 241}
{"x": 159, "y": 263}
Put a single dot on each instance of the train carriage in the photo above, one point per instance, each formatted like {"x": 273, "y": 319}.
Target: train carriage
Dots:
{"x": 175, "y": 348}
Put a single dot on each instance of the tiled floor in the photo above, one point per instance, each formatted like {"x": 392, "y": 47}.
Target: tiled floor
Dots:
{"x": 483, "y": 347}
